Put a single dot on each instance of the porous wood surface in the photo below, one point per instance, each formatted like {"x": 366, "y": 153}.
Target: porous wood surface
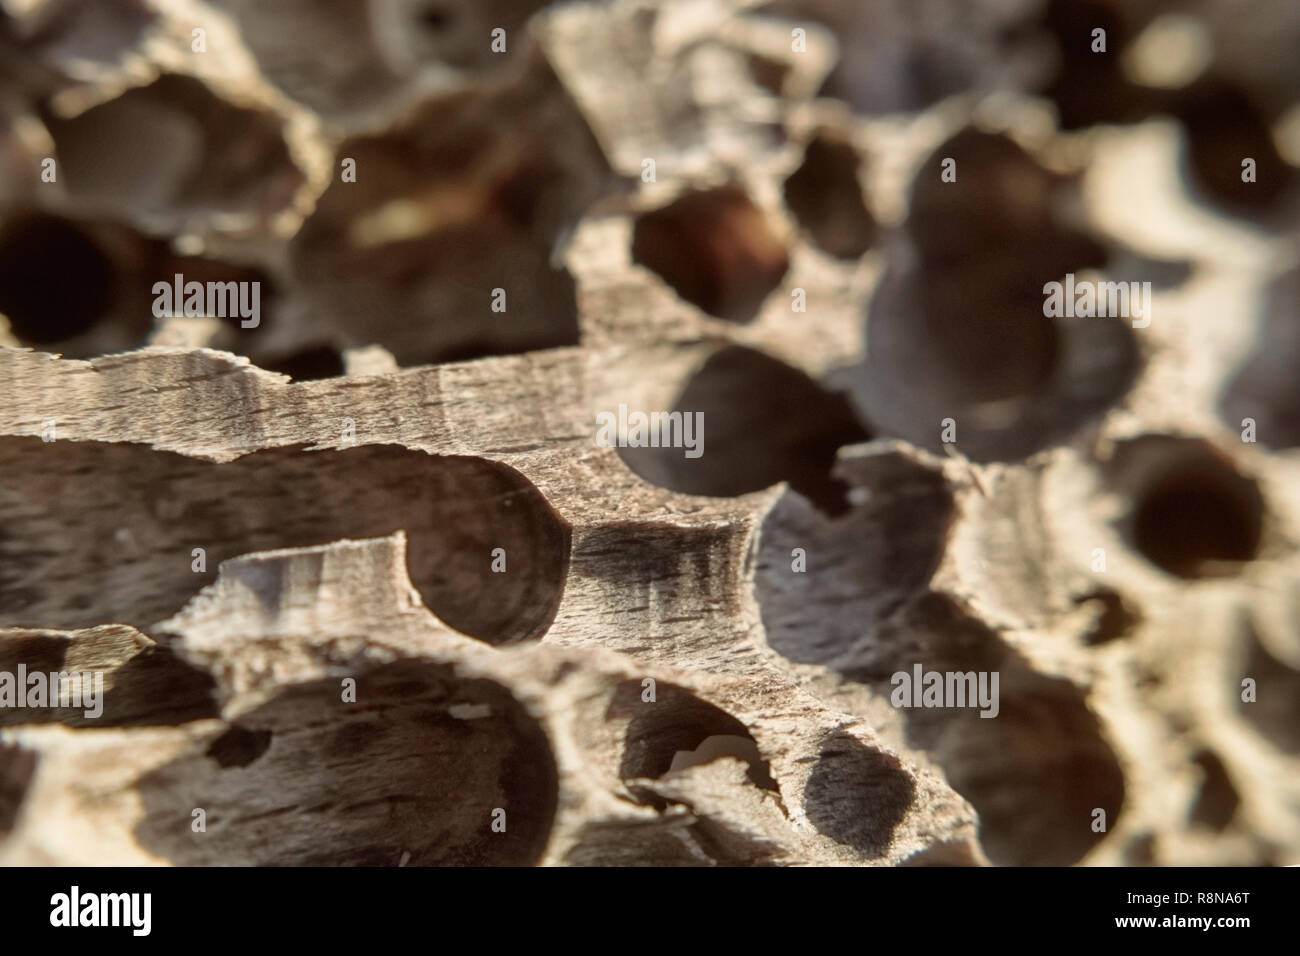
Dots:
{"x": 346, "y": 678}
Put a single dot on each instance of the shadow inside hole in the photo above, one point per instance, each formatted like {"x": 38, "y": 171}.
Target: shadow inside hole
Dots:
{"x": 1107, "y": 96}
{"x": 975, "y": 335}
{"x": 1194, "y": 515}
{"x": 17, "y": 768}
{"x": 1057, "y": 772}
{"x": 1142, "y": 850}
{"x": 857, "y": 795}
{"x": 1117, "y": 619}
{"x": 1037, "y": 771}
{"x": 99, "y": 33}
{"x": 858, "y": 568}
{"x": 174, "y": 147}
{"x": 1267, "y": 389}
{"x": 313, "y": 796}
{"x": 1224, "y": 125}
{"x": 1217, "y": 802}
{"x": 763, "y": 422}
{"x": 731, "y": 845}
{"x": 239, "y": 746}
{"x": 678, "y": 729}
{"x": 158, "y": 506}
{"x": 667, "y": 840}
{"x": 715, "y": 248}
{"x": 447, "y": 246}
{"x": 317, "y": 362}
{"x": 1275, "y": 711}
{"x": 141, "y": 687}
{"x": 825, "y": 196}
{"x": 887, "y": 64}
{"x": 436, "y": 17}
{"x": 55, "y": 281}
{"x": 1011, "y": 380}
{"x": 87, "y": 287}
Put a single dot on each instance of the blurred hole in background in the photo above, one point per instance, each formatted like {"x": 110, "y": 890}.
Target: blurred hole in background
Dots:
{"x": 1092, "y": 87}
{"x": 444, "y": 248}
{"x": 70, "y": 33}
{"x": 1013, "y": 214}
{"x": 55, "y": 281}
{"x": 981, "y": 339}
{"x": 17, "y": 768}
{"x": 174, "y": 148}
{"x": 1217, "y": 801}
{"x": 1224, "y": 125}
{"x": 959, "y": 332}
{"x": 826, "y": 198}
{"x": 715, "y": 248}
{"x": 1199, "y": 518}
{"x": 84, "y": 288}
{"x": 1275, "y": 711}
{"x": 974, "y": 310}
{"x": 1266, "y": 389}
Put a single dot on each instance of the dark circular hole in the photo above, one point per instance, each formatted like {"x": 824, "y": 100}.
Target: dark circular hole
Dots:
{"x": 1224, "y": 125}
{"x": 857, "y": 795}
{"x": 1199, "y": 521}
{"x": 1106, "y": 96}
{"x": 55, "y": 282}
{"x": 766, "y": 422}
{"x": 987, "y": 340}
{"x": 824, "y": 195}
{"x": 716, "y": 249}
{"x": 239, "y": 746}
{"x": 436, "y": 19}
